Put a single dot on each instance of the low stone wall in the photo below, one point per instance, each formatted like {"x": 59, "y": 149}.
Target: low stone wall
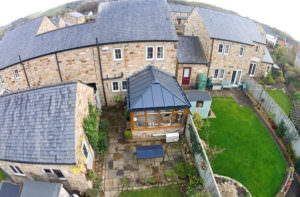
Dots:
{"x": 201, "y": 160}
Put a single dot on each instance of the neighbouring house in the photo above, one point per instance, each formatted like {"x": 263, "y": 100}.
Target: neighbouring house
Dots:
{"x": 74, "y": 18}
{"x": 272, "y": 39}
{"x": 41, "y": 135}
{"x": 233, "y": 45}
{"x": 102, "y": 53}
{"x": 200, "y": 102}
{"x": 156, "y": 103}
{"x": 33, "y": 189}
{"x": 191, "y": 61}
{"x": 180, "y": 13}
{"x": 268, "y": 61}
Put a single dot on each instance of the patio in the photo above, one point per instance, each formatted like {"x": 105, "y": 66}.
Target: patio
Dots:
{"x": 120, "y": 159}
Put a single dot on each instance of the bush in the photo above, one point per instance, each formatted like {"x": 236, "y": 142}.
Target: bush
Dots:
{"x": 297, "y": 166}
{"x": 91, "y": 175}
{"x": 184, "y": 170}
{"x": 97, "y": 183}
{"x": 269, "y": 79}
{"x": 198, "y": 121}
{"x": 169, "y": 173}
{"x": 281, "y": 130}
{"x": 118, "y": 99}
{"x": 91, "y": 193}
{"x": 151, "y": 180}
{"x": 125, "y": 181}
{"x": 128, "y": 134}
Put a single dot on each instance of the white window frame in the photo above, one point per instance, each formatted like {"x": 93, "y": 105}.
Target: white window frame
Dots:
{"x": 163, "y": 52}
{"x": 251, "y": 74}
{"x": 112, "y": 86}
{"x": 225, "y": 49}
{"x": 124, "y": 90}
{"x": 14, "y": 70}
{"x": 153, "y": 54}
{"x": 54, "y": 176}
{"x": 221, "y": 43}
{"x": 243, "y": 51}
{"x": 218, "y": 75}
{"x": 18, "y": 172}
{"x": 2, "y": 79}
{"x": 118, "y": 59}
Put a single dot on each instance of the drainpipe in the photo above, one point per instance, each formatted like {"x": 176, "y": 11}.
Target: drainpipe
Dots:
{"x": 211, "y": 52}
{"x": 58, "y": 67}
{"x": 101, "y": 73}
{"x": 24, "y": 71}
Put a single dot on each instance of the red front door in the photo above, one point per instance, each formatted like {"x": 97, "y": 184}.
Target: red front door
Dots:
{"x": 186, "y": 76}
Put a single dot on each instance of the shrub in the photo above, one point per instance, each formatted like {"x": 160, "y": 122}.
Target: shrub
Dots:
{"x": 91, "y": 193}
{"x": 118, "y": 99}
{"x": 169, "y": 173}
{"x": 184, "y": 169}
{"x": 97, "y": 183}
{"x": 297, "y": 166}
{"x": 151, "y": 180}
{"x": 125, "y": 181}
{"x": 198, "y": 121}
{"x": 281, "y": 130}
{"x": 128, "y": 134}
{"x": 269, "y": 79}
{"x": 91, "y": 175}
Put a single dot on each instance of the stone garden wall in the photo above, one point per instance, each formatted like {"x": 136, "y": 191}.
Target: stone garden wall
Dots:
{"x": 270, "y": 106}
{"x": 201, "y": 159}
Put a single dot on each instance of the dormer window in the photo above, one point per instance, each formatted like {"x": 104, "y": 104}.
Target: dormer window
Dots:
{"x": 117, "y": 54}
{"x": 220, "y": 49}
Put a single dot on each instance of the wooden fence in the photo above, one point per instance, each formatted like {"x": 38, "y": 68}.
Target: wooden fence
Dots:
{"x": 270, "y": 106}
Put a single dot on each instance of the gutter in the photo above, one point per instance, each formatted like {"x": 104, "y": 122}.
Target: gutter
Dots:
{"x": 101, "y": 73}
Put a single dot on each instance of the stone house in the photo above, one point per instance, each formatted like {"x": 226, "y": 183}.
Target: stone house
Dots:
{"x": 102, "y": 53}
{"x": 74, "y": 18}
{"x": 233, "y": 45}
{"x": 41, "y": 135}
{"x": 180, "y": 13}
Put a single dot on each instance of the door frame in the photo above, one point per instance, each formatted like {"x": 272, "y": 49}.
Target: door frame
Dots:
{"x": 190, "y": 75}
{"x": 237, "y": 70}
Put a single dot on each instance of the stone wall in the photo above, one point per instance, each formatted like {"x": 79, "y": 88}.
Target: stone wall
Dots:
{"x": 196, "y": 69}
{"x": 45, "y": 26}
{"x": 195, "y": 26}
{"x": 234, "y": 61}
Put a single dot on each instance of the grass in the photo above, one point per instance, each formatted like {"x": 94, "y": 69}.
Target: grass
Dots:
{"x": 168, "y": 191}
{"x": 250, "y": 156}
{"x": 282, "y": 100}
{"x": 2, "y": 176}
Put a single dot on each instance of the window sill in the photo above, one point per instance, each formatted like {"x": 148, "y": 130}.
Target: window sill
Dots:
{"x": 118, "y": 60}
{"x": 23, "y": 175}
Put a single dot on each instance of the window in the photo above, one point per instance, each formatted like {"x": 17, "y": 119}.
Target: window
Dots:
{"x": 1, "y": 79}
{"x": 160, "y": 53}
{"x": 117, "y": 54}
{"x": 85, "y": 151}
{"x": 115, "y": 86}
{"x": 124, "y": 85}
{"x": 158, "y": 118}
{"x": 54, "y": 173}
{"x": 219, "y": 74}
{"x": 252, "y": 69}
{"x": 16, "y": 170}
{"x": 242, "y": 51}
{"x": 16, "y": 73}
{"x": 220, "y": 49}
{"x": 227, "y": 49}
{"x": 257, "y": 49}
{"x": 149, "y": 53}
{"x": 199, "y": 104}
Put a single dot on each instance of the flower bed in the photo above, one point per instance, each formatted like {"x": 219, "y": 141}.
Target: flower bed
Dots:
{"x": 230, "y": 187}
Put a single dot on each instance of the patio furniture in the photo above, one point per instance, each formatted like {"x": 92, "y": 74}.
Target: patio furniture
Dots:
{"x": 148, "y": 152}
{"x": 226, "y": 84}
{"x": 217, "y": 86}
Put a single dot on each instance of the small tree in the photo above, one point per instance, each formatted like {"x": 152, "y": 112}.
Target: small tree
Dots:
{"x": 198, "y": 121}
{"x": 281, "y": 130}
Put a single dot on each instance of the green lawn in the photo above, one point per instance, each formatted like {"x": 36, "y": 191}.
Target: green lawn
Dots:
{"x": 169, "y": 191}
{"x": 282, "y": 100}
{"x": 2, "y": 176}
{"x": 250, "y": 156}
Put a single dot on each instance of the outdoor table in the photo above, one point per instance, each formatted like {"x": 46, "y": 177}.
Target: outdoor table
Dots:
{"x": 151, "y": 151}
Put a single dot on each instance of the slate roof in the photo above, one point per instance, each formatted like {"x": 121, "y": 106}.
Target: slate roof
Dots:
{"x": 180, "y": 8}
{"x": 196, "y": 95}
{"x": 38, "y": 189}
{"x": 8, "y": 189}
{"x": 152, "y": 88}
{"x": 121, "y": 21}
{"x": 190, "y": 50}
{"x": 76, "y": 14}
{"x": 267, "y": 57}
{"x": 231, "y": 27}
{"x": 38, "y": 125}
